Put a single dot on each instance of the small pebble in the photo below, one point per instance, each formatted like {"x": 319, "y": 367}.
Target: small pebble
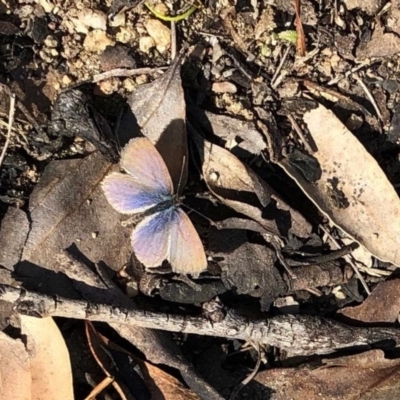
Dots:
{"x": 160, "y": 34}
{"x": 108, "y": 86}
{"x": 146, "y": 43}
{"x": 125, "y": 35}
{"x": 66, "y": 80}
{"x": 118, "y": 20}
{"x": 223, "y": 87}
{"x": 51, "y": 41}
{"x": 47, "y": 6}
{"x": 94, "y": 19}
{"x": 96, "y": 41}
{"x": 129, "y": 84}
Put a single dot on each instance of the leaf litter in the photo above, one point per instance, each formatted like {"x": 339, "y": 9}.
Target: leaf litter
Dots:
{"x": 257, "y": 221}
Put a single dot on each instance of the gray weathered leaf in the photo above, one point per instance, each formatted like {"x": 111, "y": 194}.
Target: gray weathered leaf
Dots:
{"x": 68, "y": 208}
{"x": 160, "y": 112}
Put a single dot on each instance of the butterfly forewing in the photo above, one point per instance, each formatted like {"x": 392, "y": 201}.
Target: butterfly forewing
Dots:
{"x": 141, "y": 160}
{"x": 128, "y": 196}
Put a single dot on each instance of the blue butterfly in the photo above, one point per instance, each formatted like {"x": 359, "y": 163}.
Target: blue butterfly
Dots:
{"x": 165, "y": 232}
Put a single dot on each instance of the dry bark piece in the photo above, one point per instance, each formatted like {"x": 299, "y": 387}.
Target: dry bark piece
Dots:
{"x": 350, "y": 190}
{"x": 383, "y": 305}
{"x": 250, "y": 269}
{"x": 367, "y": 376}
{"x": 159, "y": 111}
{"x": 73, "y": 115}
{"x": 180, "y": 292}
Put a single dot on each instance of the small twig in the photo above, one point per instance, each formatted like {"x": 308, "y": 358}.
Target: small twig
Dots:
{"x": 280, "y": 66}
{"x": 301, "y": 41}
{"x": 299, "y": 334}
{"x": 349, "y": 259}
{"x": 123, "y": 72}
{"x": 332, "y": 256}
{"x": 23, "y": 109}
{"x": 173, "y": 40}
{"x": 252, "y": 374}
{"x": 10, "y": 125}
{"x": 298, "y": 130}
{"x": 100, "y": 387}
{"x": 364, "y": 64}
{"x": 369, "y": 95}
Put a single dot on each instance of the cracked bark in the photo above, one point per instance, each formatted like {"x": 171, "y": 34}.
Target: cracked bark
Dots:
{"x": 299, "y": 335}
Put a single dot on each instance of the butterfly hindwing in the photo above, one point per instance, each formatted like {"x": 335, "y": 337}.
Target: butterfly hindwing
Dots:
{"x": 186, "y": 252}
{"x": 150, "y": 238}
{"x": 169, "y": 235}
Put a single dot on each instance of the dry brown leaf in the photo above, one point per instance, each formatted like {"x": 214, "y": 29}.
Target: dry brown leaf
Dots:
{"x": 351, "y": 186}
{"x": 163, "y": 386}
{"x": 383, "y": 305}
{"x": 49, "y": 359}
{"x": 41, "y": 368}
{"x": 68, "y": 207}
{"x": 233, "y": 182}
{"x": 367, "y": 376}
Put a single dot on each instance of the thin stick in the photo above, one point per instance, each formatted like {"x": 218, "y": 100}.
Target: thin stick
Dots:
{"x": 280, "y": 66}
{"x": 298, "y": 334}
{"x": 123, "y": 72}
{"x": 10, "y": 125}
{"x": 298, "y": 130}
{"x": 369, "y": 95}
{"x": 174, "y": 45}
{"x": 364, "y": 64}
{"x": 252, "y": 374}
{"x": 349, "y": 259}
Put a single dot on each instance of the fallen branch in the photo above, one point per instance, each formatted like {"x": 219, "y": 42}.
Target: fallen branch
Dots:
{"x": 299, "y": 335}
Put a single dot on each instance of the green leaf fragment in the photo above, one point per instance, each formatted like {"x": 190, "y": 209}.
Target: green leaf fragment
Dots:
{"x": 177, "y": 18}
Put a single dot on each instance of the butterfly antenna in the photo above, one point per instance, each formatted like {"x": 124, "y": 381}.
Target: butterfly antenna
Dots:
{"x": 116, "y": 132}
{"x": 211, "y": 222}
{"x": 181, "y": 176}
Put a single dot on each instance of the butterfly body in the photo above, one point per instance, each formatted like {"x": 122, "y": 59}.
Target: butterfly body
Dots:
{"x": 165, "y": 232}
